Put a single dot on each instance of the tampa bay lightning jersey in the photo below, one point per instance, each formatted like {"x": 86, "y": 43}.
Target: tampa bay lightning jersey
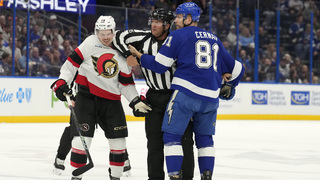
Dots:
{"x": 201, "y": 60}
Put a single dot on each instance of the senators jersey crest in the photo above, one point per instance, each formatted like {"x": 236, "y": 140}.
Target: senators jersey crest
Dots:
{"x": 105, "y": 65}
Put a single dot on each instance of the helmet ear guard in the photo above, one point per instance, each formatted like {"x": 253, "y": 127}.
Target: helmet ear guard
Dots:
{"x": 189, "y": 8}
{"x": 104, "y": 23}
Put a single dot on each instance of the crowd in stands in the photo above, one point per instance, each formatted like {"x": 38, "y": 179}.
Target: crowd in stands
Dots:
{"x": 51, "y": 44}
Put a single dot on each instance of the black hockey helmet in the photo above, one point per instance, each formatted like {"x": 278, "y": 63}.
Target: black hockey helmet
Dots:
{"x": 162, "y": 14}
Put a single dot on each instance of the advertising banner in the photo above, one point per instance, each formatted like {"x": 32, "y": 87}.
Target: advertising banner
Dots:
{"x": 71, "y": 6}
{"x": 32, "y": 97}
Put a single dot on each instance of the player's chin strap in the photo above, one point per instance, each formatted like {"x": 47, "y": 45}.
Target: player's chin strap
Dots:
{"x": 184, "y": 25}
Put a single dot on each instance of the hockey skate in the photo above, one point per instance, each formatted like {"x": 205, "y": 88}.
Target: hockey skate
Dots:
{"x": 58, "y": 166}
{"x": 127, "y": 168}
{"x": 111, "y": 177}
{"x": 206, "y": 175}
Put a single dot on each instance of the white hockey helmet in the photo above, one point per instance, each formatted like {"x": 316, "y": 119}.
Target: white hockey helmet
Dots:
{"x": 105, "y": 22}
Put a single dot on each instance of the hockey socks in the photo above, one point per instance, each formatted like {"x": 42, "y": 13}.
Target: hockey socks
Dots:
{"x": 173, "y": 153}
{"x": 206, "y": 152}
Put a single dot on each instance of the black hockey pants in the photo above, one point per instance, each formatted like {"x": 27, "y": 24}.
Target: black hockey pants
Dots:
{"x": 153, "y": 123}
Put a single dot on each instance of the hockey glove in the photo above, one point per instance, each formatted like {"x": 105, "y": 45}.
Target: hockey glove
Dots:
{"x": 140, "y": 106}
{"x": 227, "y": 92}
{"x": 60, "y": 87}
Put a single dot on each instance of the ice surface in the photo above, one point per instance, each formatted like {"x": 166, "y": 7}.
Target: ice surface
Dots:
{"x": 245, "y": 150}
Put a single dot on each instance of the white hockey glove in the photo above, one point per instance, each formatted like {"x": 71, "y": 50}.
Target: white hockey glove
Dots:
{"x": 140, "y": 106}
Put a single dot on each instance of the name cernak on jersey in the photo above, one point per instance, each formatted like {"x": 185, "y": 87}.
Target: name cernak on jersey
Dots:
{"x": 203, "y": 34}
{"x": 105, "y": 65}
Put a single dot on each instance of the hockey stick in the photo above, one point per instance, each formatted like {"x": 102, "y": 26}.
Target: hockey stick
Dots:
{"x": 88, "y": 166}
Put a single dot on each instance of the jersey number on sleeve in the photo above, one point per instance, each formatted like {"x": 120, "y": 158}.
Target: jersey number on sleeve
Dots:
{"x": 203, "y": 54}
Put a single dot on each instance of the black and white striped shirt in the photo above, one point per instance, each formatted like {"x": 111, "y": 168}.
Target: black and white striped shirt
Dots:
{"x": 144, "y": 42}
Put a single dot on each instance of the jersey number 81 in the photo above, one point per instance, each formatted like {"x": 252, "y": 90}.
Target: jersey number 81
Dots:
{"x": 204, "y": 54}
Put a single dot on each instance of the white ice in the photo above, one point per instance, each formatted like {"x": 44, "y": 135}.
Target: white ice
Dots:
{"x": 245, "y": 150}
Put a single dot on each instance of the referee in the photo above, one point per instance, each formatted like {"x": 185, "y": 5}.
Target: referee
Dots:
{"x": 159, "y": 93}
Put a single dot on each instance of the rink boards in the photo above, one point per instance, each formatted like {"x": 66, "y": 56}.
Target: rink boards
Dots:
{"x": 31, "y": 100}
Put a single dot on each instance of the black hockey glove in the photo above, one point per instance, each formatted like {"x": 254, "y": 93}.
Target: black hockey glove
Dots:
{"x": 227, "y": 91}
{"x": 60, "y": 87}
{"x": 140, "y": 106}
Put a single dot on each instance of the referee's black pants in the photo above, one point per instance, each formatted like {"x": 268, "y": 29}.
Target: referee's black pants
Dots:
{"x": 153, "y": 122}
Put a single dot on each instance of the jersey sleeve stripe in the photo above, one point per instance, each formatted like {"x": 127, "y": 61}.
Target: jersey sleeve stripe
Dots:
{"x": 236, "y": 70}
{"x": 126, "y": 79}
{"x": 164, "y": 60}
{"x": 76, "y": 58}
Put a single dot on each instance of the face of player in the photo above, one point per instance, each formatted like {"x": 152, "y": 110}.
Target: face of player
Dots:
{"x": 179, "y": 21}
{"x": 156, "y": 27}
{"x": 105, "y": 36}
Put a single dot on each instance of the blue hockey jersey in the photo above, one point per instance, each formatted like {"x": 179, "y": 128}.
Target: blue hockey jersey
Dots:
{"x": 201, "y": 60}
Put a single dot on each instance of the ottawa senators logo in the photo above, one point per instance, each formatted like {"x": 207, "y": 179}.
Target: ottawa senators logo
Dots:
{"x": 84, "y": 127}
{"x": 105, "y": 65}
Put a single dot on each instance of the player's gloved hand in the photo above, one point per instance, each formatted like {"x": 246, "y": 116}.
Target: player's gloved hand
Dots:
{"x": 140, "y": 106}
{"x": 60, "y": 87}
{"x": 227, "y": 91}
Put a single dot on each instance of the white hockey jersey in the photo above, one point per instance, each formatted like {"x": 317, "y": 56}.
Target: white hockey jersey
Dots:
{"x": 100, "y": 68}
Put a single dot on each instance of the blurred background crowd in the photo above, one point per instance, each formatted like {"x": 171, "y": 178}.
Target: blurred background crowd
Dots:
{"x": 53, "y": 36}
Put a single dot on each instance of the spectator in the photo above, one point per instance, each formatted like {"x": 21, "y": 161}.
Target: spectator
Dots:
{"x": 36, "y": 61}
{"x": 47, "y": 56}
{"x": 284, "y": 70}
{"x": 316, "y": 52}
{"x": 296, "y": 5}
{"x": 263, "y": 39}
{"x": 267, "y": 71}
{"x": 55, "y": 45}
{"x": 302, "y": 48}
{"x": 71, "y": 34}
{"x": 47, "y": 36}
{"x": 222, "y": 29}
{"x": 297, "y": 29}
{"x": 246, "y": 39}
{"x": 2, "y": 22}
{"x": 7, "y": 32}
{"x": 23, "y": 36}
{"x": 294, "y": 77}
{"x": 1, "y": 41}
{"x": 305, "y": 74}
{"x": 309, "y": 6}
{"x": 53, "y": 23}
{"x": 162, "y": 4}
{"x": 248, "y": 64}
{"x": 35, "y": 18}
{"x": 5, "y": 65}
{"x": 232, "y": 39}
{"x": 23, "y": 59}
{"x": 17, "y": 52}
{"x": 315, "y": 79}
{"x": 35, "y": 36}
{"x": 55, "y": 34}
{"x": 147, "y": 5}
{"x": 55, "y": 63}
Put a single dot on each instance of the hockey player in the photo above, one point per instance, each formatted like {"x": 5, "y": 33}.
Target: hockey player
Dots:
{"x": 65, "y": 147}
{"x": 201, "y": 61}
{"x": 103, "y": 76}
{"x": 158, "y": 94}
